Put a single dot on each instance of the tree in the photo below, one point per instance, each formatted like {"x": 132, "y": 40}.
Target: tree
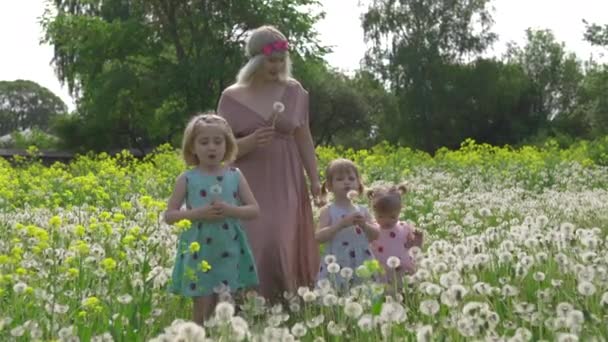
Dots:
{"x": 555, "y": 74}
{"x": 342, "y": 108}
{"x": 593, "y": 102}
{"x": 26, "y": 104}
{"x": 596, "y": 34}
{"x": 411, "y": 42}
{"x": 140, "y": 68}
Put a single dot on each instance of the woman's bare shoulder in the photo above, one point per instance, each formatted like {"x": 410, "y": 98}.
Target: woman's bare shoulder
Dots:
{"x": 292, "y": 82}
{"x": 234, "y": 89}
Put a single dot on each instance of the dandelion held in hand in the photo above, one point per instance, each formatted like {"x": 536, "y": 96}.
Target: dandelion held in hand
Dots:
{"x": 277, "y": 110}
{"x": 216, "y": 192}
{"x": 352, "y": 194}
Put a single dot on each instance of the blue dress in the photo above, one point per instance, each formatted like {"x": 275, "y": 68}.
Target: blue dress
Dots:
{"x": 223, "y": 243}
{"x": 350, "y": 246}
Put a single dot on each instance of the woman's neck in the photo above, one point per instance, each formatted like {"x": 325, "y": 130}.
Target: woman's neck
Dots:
{"x": 262, "y": 83}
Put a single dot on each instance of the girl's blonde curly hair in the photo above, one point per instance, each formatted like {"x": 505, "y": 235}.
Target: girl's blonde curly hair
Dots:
{"x": 196, "y": 125}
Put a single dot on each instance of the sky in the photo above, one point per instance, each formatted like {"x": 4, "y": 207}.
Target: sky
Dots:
{"x": 23, "y": 57}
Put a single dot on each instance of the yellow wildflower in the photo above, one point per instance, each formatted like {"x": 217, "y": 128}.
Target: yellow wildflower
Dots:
{"x": 182, "y": 225}
{"x": 126, "y": 206}
{"x": 79, "y": 230}
{"x": 205, "y": 267}
{"x": 118, "y": 217}
{"x": 55, "y": 221}
{"x": 195, "y": 247}
{"x": 108, "y": 264}
{"x": 73, "y": 272}
{"x": 128, "y": 240}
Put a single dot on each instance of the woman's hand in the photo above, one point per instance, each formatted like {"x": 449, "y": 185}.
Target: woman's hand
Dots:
{"x": 259, "y": 138}
{"x": 315, "y": 189}
{"x": 262, "y": 136}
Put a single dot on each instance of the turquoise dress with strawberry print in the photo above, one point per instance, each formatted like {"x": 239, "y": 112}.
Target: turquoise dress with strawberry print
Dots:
{"x": 223, "y": 243}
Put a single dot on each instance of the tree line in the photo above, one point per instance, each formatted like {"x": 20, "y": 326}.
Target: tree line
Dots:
{"x": 139, "y": 68}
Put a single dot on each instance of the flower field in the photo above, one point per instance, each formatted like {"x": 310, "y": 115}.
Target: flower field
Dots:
{"x": 516, "y": 249}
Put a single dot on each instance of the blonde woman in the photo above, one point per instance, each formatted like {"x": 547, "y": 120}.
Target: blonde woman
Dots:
{"x": 268, "y": 111}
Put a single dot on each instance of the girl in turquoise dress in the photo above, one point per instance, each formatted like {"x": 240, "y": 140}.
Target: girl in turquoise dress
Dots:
{"x": 214, "y": 253}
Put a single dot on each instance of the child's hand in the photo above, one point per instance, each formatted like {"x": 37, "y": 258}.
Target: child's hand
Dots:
{"x": 209, "y": 212}
{"x": 352, "y": 219}
{"x": 415, "y": 238}
{"x": 224, "y": 209}
{"x": 359, "y": 220}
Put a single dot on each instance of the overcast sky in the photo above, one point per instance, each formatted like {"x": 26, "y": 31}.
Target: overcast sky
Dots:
{"x": 22, "y": 56}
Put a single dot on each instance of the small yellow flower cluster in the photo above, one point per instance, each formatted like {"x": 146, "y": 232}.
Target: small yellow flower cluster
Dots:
{"x": 108, "y": 264}
{"x": 181, "y": 226}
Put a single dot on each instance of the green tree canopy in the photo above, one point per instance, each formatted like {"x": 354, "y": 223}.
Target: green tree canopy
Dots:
{"x": 140, "y": 68}
{"x": 26, "y": 104}
{"x": 411, "y": 43}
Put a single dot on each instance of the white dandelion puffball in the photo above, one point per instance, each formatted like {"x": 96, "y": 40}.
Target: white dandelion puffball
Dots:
{"x": 353, "y": 309}
{"x": 302, "y": 290}
{"x": 429, "y": 307}
{"x": 330, "y": 300}
{"x": 18, "y": 331}
{"x": 393, "y": 262}
{"x": 224, "y": 311}
{"x": 424, "y": 333}
{"x": 586, "y": 288}
{"x": 278, "y": 107}
{"x": 333, "y": 268}
{"x": 352, "y": 194}
{"x": 20, "y": 287}
{"x": 125, "y": 299}
{"x": 365, "y": 323}
{"x": 309, "y": 296}
{"x": 216, "y": 189}
{"x": 604, "y": 300}
{"x": 298, "y": 330}
{"x": 330, "y": 258}
{"x": 346, "y": 273}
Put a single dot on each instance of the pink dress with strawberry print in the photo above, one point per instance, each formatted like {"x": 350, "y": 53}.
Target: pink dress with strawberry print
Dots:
{"x": 397, "y": 242}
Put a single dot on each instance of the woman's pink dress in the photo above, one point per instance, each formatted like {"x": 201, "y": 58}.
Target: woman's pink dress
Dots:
{"x": 282, "y": 237}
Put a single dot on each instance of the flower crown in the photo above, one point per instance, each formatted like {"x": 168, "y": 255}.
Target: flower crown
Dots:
{"x": 276, "y": 46}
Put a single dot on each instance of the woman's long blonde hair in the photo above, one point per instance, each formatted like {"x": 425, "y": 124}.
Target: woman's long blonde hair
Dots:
{"x": 255, "y": 43}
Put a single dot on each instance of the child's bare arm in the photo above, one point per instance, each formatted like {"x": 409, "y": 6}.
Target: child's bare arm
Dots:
{"x": 370, "y": 227}
{"x": 415, "y": 238}
{"x": 174, "y": 212}
{"x": 326, "y": 231}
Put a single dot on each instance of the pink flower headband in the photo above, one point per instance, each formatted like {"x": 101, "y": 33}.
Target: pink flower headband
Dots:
{"x": 276, "y": 46}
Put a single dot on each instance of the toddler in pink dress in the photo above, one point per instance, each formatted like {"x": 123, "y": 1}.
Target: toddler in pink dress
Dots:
{"x": 396, "y": 237}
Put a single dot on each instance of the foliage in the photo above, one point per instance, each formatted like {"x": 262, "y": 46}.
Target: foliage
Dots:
{"x": 140, "y": 68}
{"x": 340, "y": 106}
{"x": 412, "y": 42}
{"x": 596, "y": 34}
{"x": 32, "y": 137}
{"x": 26, "y": 104}
{"x": 515, "y": 247}
{"x": 555, "y": 75}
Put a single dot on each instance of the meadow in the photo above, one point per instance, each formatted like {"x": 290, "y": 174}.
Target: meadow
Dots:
{"x": 515, "y": 250}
